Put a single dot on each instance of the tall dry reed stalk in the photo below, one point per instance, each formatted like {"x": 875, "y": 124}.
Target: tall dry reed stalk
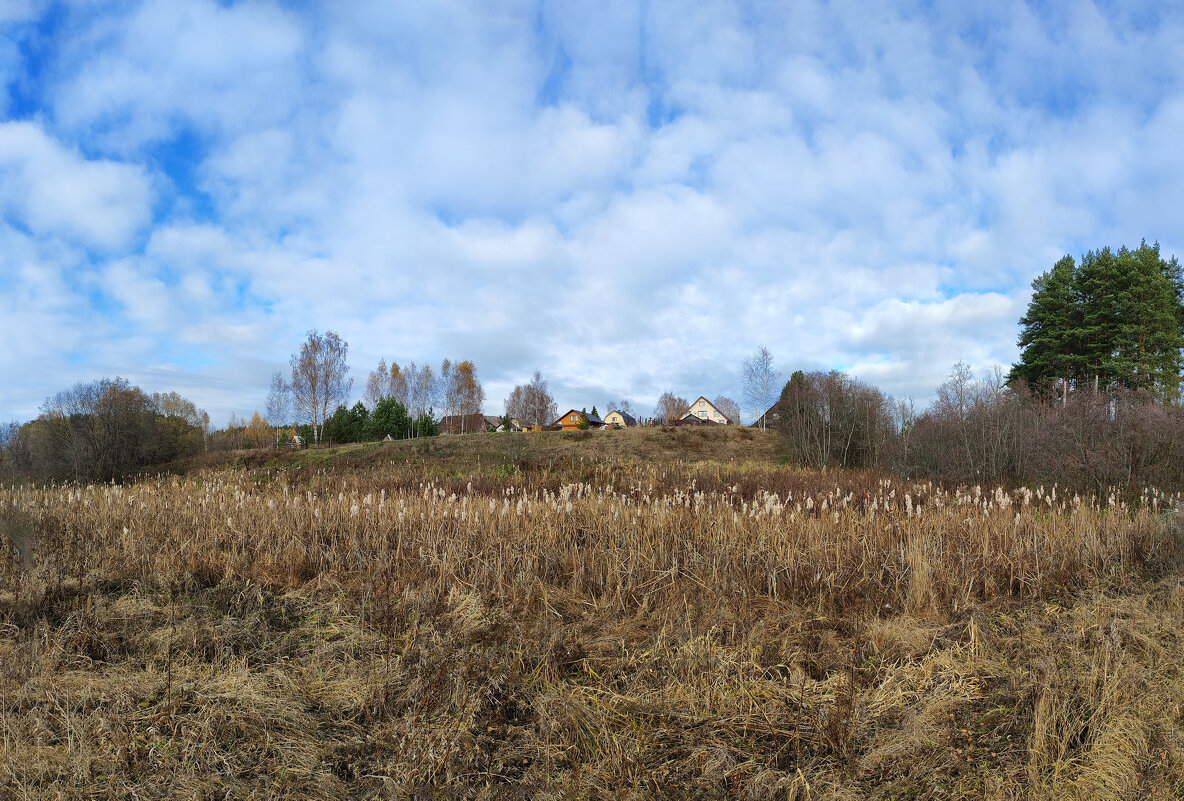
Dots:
{"x": 641, "y": 535}
{"x": 625, "y": 630}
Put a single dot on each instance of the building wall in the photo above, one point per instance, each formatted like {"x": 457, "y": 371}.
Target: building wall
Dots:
{"x": 570, "y": 421}
{"x": 705, "y": 410}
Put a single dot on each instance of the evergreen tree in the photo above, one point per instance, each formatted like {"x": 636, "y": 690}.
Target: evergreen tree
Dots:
{"x": 1101, "y": 286}
{"x": 359, "y": 423}
{"x": 390, "y": 418}
{"x": 426, "y": 426}
{"x": 1150, "y": 323}
{"x": 339, "y": 427}
{"x": 1051, "y": 330}
{"x": 1115, "y": 320}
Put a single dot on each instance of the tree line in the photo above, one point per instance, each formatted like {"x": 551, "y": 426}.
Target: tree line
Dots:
{"x": 1093, "y": 402}
{"x": 100, "y": 431}
{"x": 1114, "y": 320}
{"x": 985, "y": 430}
{"x": 398, "y": 402}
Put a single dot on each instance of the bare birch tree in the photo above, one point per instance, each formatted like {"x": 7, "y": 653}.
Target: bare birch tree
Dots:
{"x": 623, "y": 406}
{"x": 426, "y": 390}
{"x": 446, "y": 390}
{"x": 279, "y": 402}
{"x": 397, "y": 385}
{"x": 378, "y": 385}
{"x": 320, "y": 379}
{"x": 760, "y": 382}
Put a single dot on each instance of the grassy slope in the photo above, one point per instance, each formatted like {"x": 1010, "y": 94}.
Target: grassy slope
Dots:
{"x": 553, "y": 450}
{"x": 227, "y": 688}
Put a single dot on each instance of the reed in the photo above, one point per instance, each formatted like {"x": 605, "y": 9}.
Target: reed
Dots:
{"x": 724, "y": 630}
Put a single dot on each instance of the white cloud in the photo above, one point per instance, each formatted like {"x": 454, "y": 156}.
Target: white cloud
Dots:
{"x": 53, "y": 190}
{"x": 130, "y": 80}
{"x": 660, "y": 190}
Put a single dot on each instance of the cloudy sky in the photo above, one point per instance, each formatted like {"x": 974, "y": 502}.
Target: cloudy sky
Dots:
{"x": 629, "y": 197}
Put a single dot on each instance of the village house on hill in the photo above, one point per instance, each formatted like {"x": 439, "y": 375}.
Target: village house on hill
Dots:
{"x": 618, "y": 418}
{"x": 691, "y": 420}
{"x": 570, "y": 420}
{"x": 705, "y": 410}
{"x": 771, "y": 416}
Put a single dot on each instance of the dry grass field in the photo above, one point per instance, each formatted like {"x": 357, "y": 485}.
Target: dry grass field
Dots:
{"x": 582, "y": 617}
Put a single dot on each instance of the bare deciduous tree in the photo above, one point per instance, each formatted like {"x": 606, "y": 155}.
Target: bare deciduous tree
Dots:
{"x": 760, "y": 381}
{"x": 423, "y": 388}
{"x": 623, "y": 406}
{"x": 397, "y": 386}
{"x": 278, "y": 403}
{"x": 445, "y": 396}
{"x": 729, "y": 408}
{"x": 532, "y": 404}
{"x": 320, "y": 379}
{"x": 833, "y": 419}
{"x": 670, "y": 407}
{"x": 378, "y": 384}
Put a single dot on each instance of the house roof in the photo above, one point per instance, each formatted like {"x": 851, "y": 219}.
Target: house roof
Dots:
{"x": 692, "y": 420}
{"x": 772, "y": 413}
{"x": 691, "y": 411}
{"x": 592, "y": 419}
{"x": 629, "y": 419}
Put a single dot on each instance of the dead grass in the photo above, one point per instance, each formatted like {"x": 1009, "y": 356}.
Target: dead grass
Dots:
{"x": 546, "y": 451}
{"x": 600, "y": 628}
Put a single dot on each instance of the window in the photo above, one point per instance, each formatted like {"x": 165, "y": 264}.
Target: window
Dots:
{"x": 702, "y": 414}
{"x": 701, "y": 404}
{"x": 575, "y": 418}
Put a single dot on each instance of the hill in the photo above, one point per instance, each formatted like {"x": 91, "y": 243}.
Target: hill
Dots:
{"x": 553, "y": 450}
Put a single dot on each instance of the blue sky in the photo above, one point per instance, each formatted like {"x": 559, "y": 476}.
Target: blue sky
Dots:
{"x": 629, "y": 197}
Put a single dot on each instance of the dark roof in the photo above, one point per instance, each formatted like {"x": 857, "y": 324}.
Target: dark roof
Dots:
{"x": 694, "y": 421}
{"x": 630, "y": 420}
{"x": 772, "y": 413}
{"x": 592, "y": 419}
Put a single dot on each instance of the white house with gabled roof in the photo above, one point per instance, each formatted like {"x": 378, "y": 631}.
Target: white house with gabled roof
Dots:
{"x": 706, "y": 410}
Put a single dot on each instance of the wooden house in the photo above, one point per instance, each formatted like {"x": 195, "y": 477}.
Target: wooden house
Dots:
{"x": 570, "y": 420}
{"x": 770, "y": 418}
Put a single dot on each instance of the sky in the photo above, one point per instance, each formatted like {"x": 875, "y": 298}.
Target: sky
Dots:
{"x": 629, "y": 197}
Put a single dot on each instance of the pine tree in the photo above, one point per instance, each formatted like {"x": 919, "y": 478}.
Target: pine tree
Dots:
{"x": 1115, "y": 320}
{"x": 1103, "y": 290}
{"x": 1051, "y": 330}
{"x": 390, "y": 418}
{"x": 1152, "y": 336}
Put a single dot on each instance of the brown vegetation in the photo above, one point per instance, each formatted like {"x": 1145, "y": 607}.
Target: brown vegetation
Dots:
{"x": 592, "y": 628}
